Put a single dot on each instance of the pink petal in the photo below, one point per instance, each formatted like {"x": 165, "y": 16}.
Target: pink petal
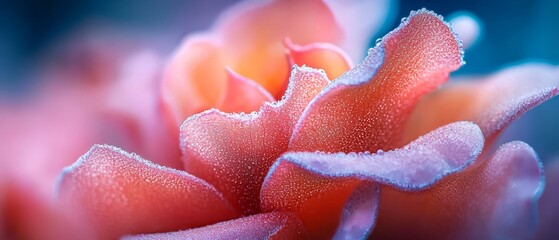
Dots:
{"x": 275, "y": 225}
{"x": 315, "y": 185}
{"x": 359, "y": 213}
{"x": 122, "y": 193}
{"x": 234, "y": 151}
{"x": 243, "y": 94}
{"x": 325, "y": 56}
{"x": 548, "y": 207}
{"x": 419, "y": 164}
{"x": 366, "y": 108}
{"x": 495, "y": 199}
{"x": 492, "y": 103}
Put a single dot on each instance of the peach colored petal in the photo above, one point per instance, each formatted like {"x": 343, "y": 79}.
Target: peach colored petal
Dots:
{"x": 234, "y": 151}
{"x": 253, "y": 36}
{"x": 275, "y": 225}
{"x": 316, "y": 185}
{"x": 366, "y": 108}
{"x": 122, "y": 193}
{"x": 495, "y": 199}
{"x": 243, "y": 94}
{"x": 325, "y": 56}
{"x": 195, "y": 78}
{"x": 491, "y": 103}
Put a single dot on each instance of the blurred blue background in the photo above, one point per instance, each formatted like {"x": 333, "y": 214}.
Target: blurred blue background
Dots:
{"x": 513, "y": 31}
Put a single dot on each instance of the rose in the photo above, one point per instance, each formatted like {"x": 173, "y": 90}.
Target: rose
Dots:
{"x": 273, "y": 217}
{"x": 101, "y": 89}
{"x": 366, "y": 109}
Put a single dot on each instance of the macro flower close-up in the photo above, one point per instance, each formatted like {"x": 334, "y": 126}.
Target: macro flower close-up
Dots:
{"x": 283, "y": 120}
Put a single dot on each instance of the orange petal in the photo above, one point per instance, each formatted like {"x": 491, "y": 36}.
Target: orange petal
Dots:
{"x": 366, "y": 108}
{"x": 243, "y": 94}
{"x": 491, "y": 103}
{"x": 234, "y": 151}
{"x": 275, "y": 225}
{"x": 496, "y": 199}
{"x": 325, "y": 56}
{"x": 194, "y": 79}
{"x": 254, "y": 34}
{"x": 122, "y": 193}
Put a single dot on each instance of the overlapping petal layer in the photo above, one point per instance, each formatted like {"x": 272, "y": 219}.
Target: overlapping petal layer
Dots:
{"x": 316, "y": 185}
{"x": 274, "y": 225}
{"x": 243, "y": 94}
{"x": 121, "y": 193}
{"x": 234, "y": 151}
{"x": 491, "y": 103}
{"x": 248, "y": 39}
{"x": 495, "y": 199}
{"x": 325, "y": 56}
{"x": 366, "y": 108}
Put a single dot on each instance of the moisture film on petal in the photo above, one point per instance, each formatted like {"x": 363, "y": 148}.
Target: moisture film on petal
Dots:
{"x": 495, "y": 199}
{"x": 274, "y": 225}
{"x": 491, "y": 103}
{"x": 234, "y": 151}
{"x": 366, "y": 108}
{"x": 121, "y": 193}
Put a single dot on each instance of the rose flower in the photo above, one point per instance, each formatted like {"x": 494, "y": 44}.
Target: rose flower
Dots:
{"x": 380, "y": 149}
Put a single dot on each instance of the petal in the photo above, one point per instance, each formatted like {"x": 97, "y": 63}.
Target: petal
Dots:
{"x": 195, "y": 78}
{"x": 495, "y": 199}
{"x": 243, "y": 94}
{"x": 366, "y": 108}
{"x": 315, "y": 185}
{"x": 492, "y": 103}
{"x": 359, "y": 213}
{"x": 122, "y": 193}
{"x": 234, "y": 151}
{"x": 317, "y": 200}
{"x": 254, "y": 34}
{"x": 419, "y": 164}
{"x": 548, "y": 208}
{"x": 328, "y": 57}
{"x": 275, "y": 225}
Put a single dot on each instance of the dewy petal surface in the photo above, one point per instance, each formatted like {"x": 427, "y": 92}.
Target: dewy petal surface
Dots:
{"x": 495, "y": 199}
{"x": 121, "y": 193}
{"x": 366, "y": 108}
{"x": 274, "y": 225}
{"x": 491, "y": 103}
{"x": 316, "y": 185}
{"x": 325, "y": 56}
{"x": 234, "y": 151}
